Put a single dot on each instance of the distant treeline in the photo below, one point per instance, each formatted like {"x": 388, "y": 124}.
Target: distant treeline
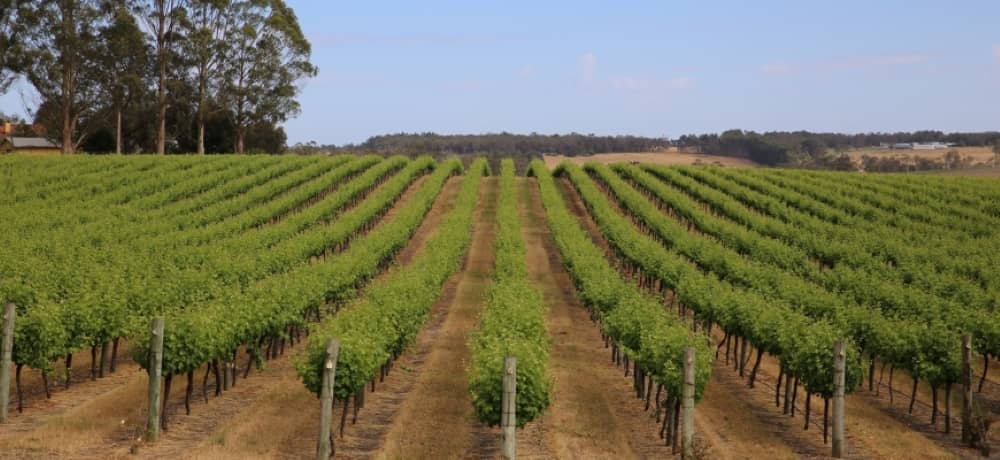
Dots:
{"x": 779, "y": 147}
{"x": 797, "y": 148}
{"x": 501, "y": 143}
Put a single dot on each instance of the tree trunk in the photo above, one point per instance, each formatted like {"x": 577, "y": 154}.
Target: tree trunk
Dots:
{"x": 240, "y": 139}
{"x": 118, "y": 136}
{"x": 20, "y": 389}
{"x": 986, "y": 368}
{"x": 201, "y": 109}
{"x": 161, "y": 87}
{"x": 218, "y": 377}
{"x": 913, "y": 394}
{"x": 45, "y": 383}
{"x": 104, "y": 359}
{"x": 721, "y": 344}
{"x": 201, "y": 137}
{"x": 756, "y": 365}
{"x": 93, "y": 363}
{"x": 343, "y": 416}
{"x": 67, "y": 110}
{"x": 167, "y": 381}
{"x": 795, "y": 394}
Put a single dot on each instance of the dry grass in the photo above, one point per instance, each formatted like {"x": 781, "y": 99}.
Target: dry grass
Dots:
{"x": 978, "y": 154}
{"x": 662, "y": 158}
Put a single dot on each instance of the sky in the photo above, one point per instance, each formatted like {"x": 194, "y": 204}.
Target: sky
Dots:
{"x": 653, "y": 68}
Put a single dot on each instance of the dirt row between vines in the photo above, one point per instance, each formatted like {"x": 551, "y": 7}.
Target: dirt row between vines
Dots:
{"x": 872, "y": 432}
{"x": 105, "y": 418}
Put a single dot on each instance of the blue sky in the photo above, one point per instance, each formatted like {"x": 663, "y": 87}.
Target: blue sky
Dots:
{"x": 656, "y": 68}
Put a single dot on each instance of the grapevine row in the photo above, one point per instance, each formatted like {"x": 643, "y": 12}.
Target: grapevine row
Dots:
{"x": 512, "y": 324}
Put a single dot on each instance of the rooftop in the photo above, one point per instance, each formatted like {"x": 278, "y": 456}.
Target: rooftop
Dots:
{"x": 32, "y": 142}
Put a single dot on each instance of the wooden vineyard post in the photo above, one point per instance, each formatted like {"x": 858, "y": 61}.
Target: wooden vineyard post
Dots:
{"x": 155, "y": 369}
{"x": 839, "y": 360}
{"x": 6, "y": 351}
{"x": 325, "y": 449}
{"x": 508, "y": 418}
{"x": 966, "y": 389}
{"x": 687, "y": 405}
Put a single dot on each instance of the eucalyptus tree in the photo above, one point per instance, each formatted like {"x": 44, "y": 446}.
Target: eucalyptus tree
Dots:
{"x": 268, "y": 56}
{"x": 206, "y": 48}
{"x": 9, "y": 40}
{"x": 164, "y": 20}
{"x": 58, "y": 58}
{"x": 124, "y": 58}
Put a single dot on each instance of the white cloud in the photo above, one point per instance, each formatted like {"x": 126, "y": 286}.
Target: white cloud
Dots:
{"x": 775, "y": 68}
{"x": 587, "y": 69}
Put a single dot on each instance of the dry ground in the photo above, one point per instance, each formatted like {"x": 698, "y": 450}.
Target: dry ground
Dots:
{"x": 663, "y": 158}
{"x": 978, "y": 154}
{"x": 435, "y": 420}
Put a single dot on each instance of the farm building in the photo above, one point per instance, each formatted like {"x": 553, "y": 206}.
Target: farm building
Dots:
{"x": 916, "y": 146}
{"x": 28, "y": 145}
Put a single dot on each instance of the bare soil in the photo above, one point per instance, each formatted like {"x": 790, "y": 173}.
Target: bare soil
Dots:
{"x": 594, "y": 413}
{"x": 435, "y": 420}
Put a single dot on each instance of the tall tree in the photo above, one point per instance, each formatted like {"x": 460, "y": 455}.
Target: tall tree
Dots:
{"x": 163, "y": 19}
{"x": 59, "y": 60}
{"x": 269, "y": 56}
{"x": 206, "y": 47}
{"x": 123, "y": 63}
{"x": 9, "y": 42}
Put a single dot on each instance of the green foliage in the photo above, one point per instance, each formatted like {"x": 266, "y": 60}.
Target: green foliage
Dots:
{"x": 652, "y": 336}
{"x": 770, "y": 323}
{"x": 388, "y": 314}
{"x": 512, "y": 324}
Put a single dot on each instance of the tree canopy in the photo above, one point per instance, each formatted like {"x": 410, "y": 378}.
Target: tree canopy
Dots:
{"x": 157, "y": 75}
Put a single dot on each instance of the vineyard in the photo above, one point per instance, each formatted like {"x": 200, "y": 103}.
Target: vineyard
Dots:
{"x": 349, "y": 306}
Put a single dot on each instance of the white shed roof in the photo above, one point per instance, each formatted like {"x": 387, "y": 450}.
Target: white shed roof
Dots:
{"x": 32, "y": 142}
